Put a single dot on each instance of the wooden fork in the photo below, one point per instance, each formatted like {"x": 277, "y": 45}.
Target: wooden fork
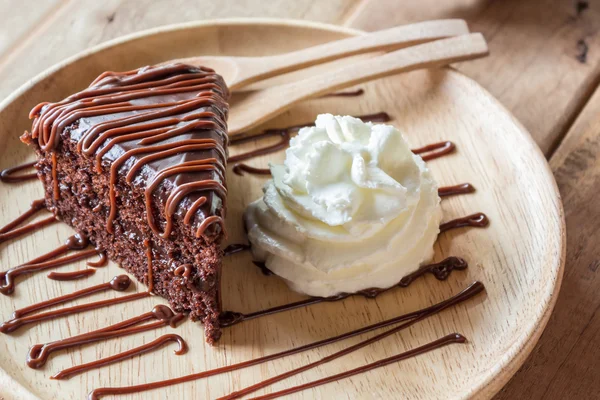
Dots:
{"x": 241, "y": 71}
{"x": 261, "y": 105}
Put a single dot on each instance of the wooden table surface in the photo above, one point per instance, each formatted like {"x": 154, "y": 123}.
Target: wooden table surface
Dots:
{"x": 544, "y": 67}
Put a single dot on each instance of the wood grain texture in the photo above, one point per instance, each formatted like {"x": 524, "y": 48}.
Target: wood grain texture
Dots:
{"x": 537, "y": 67}
{"x": 518, "y": 256}
{"x": 16, "y": 29}
{"x": 71, "y": 26}
{"x": 239, "y": 72}
{"x": 566, "y": 362}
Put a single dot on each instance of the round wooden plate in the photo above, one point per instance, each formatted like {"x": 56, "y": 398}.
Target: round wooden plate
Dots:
{"x": 519, "y": 257}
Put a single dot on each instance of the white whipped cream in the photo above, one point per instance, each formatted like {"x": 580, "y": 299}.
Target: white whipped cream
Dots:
{"x": 351, "y": 208}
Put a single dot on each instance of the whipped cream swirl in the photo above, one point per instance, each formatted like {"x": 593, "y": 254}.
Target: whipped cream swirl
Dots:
{"x": 351, "y": 208}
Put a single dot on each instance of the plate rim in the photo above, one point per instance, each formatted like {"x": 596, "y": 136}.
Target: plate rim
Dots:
{"x": 516, "y": 354}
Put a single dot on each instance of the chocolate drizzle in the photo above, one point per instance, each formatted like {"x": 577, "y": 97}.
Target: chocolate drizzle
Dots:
{"x": 72, "y": 275}
{"x": 102, "y": 261}
{"x": 348, "y": 93}
{"x": 240, "y": 168}
{"x": 410, "y": 318}
{"x": 10, "y": 230}
{"x": 150, "y": 276}
{"x": 435, "y": 150}
{"x": 463, "y": 188}
{"x": 235, "y": 248}
{"x": 146, "y": 348}
{"x": 134, "y": 134}
{"x": 21, "y": 317}
{"x": 75, "y": 242}
{"x": 144, "y": 117}
{"x": 440, "y": 270}
{"x": 38, "y": 354}
{"x": 7, "y": 176}
{"x": 477, "y": 220}
{"x": 436, "y": 344}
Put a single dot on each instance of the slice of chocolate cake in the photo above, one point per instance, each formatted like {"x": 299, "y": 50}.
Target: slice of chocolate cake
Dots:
{"x": 136, "y": 162}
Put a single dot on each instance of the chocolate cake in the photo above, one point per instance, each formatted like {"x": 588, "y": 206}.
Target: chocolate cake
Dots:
{"x": 136, "y": 163}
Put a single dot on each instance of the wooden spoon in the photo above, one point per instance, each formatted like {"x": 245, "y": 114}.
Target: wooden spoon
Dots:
{"x": 257, "y": 107}
{"x": 242, "y": 71}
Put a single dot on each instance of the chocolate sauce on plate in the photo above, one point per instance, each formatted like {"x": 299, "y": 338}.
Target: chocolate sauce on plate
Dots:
{"x": 411, "y": 318}
{"x": 38, "y": 354}
{"x": 21, "y": 317}
{"x": 440, "y": 270}
{"x": 146, "y": 348}
{"x": 7, "y": 176}
{"x": 462, "y": 188}
{"x": 75, "y": 242}
{"x": 72, "y": 275}
{"x": 10, "y": 230}
{"x": 436, "y": 344}
{"x": 477, "y": 220}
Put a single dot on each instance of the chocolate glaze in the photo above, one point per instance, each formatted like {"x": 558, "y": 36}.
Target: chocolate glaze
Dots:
{"x": 435, "y": 150}
{"x": 477, "y": 220}
{"x": 21, "y": 317}
{"x": 72, "y": 275}
{"x": 235, "y": 248}
{"x": 146, "y": 348}
{"x": 10, "y": 230}
{"x": 75, "y": 242}
{"x": 436, "y": 344}
{"x": 38, "y": 354}
{"x": 6, "y": 175}
{"x": 440, "y": 270}
{"x": 157, "y": 126}
{"x": 462, "y": 188}
{"x": 412, "y": 317}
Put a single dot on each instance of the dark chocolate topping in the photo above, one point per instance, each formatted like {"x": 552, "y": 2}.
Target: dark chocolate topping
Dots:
{"x": 156, "y": 126}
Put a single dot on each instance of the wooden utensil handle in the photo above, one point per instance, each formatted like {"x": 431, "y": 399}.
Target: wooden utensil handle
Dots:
{"x": 428, "y": 55}
{"x": 384, "y": 40}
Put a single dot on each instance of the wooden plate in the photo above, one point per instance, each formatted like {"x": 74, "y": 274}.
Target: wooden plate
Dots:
{"x": 519, "y": 256}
